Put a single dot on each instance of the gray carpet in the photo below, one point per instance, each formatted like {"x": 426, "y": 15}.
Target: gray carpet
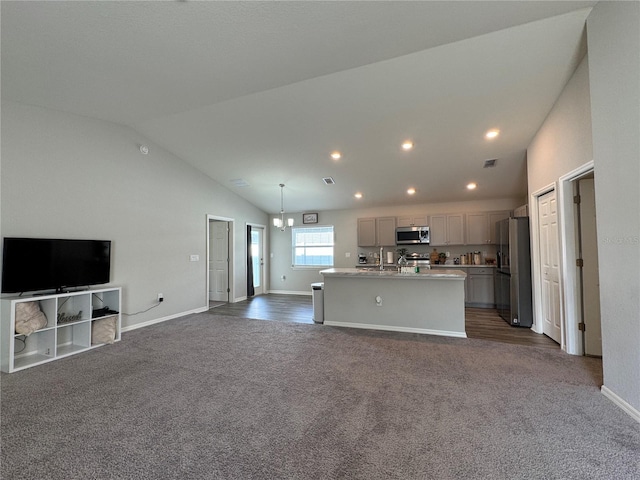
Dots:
{"x": 206, "y": 397}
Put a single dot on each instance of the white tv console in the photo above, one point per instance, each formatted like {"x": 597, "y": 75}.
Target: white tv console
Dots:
{"x": 59, "y": 338}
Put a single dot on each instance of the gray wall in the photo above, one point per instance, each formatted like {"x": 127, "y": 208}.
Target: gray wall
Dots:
{"x": 68, "y": 176}
{"x": 597, "y": 118}
{"x": 563, "y": 142}
{"x": 345, "y": 223}
{"x": 613, "y": 32}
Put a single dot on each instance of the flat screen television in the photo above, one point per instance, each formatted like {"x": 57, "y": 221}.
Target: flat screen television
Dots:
{"x": 32, "y": 264}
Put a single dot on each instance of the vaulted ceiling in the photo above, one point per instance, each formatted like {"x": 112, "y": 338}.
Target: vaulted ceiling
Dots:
{"x": 255, "y": 94}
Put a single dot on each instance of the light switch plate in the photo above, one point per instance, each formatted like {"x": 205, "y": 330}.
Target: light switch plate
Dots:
{"x": 194, "y": 258}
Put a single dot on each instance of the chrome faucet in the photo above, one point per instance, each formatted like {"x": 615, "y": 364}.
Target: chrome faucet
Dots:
{"x": 381, "y": 259}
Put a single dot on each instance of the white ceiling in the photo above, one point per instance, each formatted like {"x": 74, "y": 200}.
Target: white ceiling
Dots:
{"x": 264, "y": 91}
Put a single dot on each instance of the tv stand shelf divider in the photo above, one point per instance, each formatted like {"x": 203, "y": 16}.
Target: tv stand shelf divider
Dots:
{"x": 68, "y": 330}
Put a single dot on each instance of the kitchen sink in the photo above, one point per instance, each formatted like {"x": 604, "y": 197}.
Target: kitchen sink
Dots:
{"x": 377, "y": 269}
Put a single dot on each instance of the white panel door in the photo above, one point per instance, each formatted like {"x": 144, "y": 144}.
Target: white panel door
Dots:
{"x": 549, "y": 259}
{"x": 590, "y": 279}
{"x": 219, "y": 261}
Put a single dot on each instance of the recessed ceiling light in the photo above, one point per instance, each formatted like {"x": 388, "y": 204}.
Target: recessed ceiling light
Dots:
{"x": 336, "y": 155}
{"x": 358, "y": 195}
{"x": 492, "y": 133}
{"x": 407, "y": 145}
{"x": 472, "y": 186}
{"x": 144, "y": 149}
{"x": 411, "y": 191}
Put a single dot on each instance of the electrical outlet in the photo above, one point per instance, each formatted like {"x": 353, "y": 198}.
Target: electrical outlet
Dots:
{"x": 283, "y": 278}
{"x": 160, "y": 297}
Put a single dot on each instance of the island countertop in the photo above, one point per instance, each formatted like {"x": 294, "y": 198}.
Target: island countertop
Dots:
{"x": 424, "y": 274}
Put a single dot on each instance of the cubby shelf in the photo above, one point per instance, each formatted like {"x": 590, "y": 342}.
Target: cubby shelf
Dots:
{"x": 68, "y": 330}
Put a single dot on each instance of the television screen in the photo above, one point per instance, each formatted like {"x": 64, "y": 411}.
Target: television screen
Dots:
{"x": 30, "y": 264}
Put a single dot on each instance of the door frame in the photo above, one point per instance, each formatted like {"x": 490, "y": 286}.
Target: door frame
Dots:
{"x": 569, "y": 250}
{"x": 231, "y": 271}
{"x": 570, "y": 300}
{"x": 263, "y": 270}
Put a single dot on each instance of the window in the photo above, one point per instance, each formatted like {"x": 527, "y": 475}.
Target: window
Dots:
{"x": 312, "y": 246}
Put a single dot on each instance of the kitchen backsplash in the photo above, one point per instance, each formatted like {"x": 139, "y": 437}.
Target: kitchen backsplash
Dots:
{"x": 487, "y": 252}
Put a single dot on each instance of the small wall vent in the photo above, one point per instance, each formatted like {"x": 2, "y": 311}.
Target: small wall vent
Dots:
{"x": 328, "y": 181}
{"x": 490, "y": 163}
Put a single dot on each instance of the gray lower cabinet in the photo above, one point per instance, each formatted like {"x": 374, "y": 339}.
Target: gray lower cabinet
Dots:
{"x": 478, "y": 286}
{"x": 480, "y": 291}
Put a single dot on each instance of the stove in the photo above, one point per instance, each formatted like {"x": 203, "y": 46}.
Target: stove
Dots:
{"x": 418, "y": 260}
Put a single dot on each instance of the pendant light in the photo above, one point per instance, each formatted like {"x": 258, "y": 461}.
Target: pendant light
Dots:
{"x": 279, "y": 222}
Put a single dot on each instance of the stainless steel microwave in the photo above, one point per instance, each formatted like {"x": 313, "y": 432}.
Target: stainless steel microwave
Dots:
{"x": 412, "y": 235}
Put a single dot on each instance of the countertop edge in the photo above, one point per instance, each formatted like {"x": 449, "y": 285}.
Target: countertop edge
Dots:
{"x": 423, "y": 275}
{"x": 373, "y": 265}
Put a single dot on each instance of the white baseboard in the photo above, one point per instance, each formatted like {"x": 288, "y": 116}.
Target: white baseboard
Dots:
{"x": 290, "y": 292}
{"x": 163, "y": 319}
{"x": 633, "y": 412}
{"x": 392, "y": 328}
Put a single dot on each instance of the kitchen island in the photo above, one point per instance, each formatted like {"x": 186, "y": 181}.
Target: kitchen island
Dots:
{"x": 430, "y": 302}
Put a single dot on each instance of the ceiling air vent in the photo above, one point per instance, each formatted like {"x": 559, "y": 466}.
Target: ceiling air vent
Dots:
{"x": 238, "y": 182}
{"x": 328, "y": 181}
{"x": 490, "y": 163}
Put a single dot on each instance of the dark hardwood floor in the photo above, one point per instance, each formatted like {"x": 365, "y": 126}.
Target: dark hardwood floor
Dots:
{"x": 481, "y": 323}
{"x": 486, "y": 324}
{"x": 288, "y": 308}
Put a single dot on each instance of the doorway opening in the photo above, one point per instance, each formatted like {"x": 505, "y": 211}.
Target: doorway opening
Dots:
{"x": 588, "y": 278}
{"x": 580, "y": 270}
{"x": 219, "y": 260}
{"x": 257, "y": 252}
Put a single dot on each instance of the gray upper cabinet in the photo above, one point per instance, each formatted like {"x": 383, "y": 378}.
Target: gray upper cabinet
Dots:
{"x": 377, "y": 232}
{"x": 411, "y": 221}
{"x": 386, "y": 231}
{"x": 521, "y": 211}
{"x": 493, "y": 218}
{"x": 481, "y": 227}
{"x": 447, "y": 229}
{"x": 477, "y": 228}
{"x": 367, "y": 232}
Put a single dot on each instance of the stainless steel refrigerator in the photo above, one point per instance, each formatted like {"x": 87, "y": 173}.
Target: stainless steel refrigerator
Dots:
{"x": 513, "y": 275}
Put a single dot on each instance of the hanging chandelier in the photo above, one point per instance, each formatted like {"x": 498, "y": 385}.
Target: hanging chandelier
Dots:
{"x": 279, "y": 222}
